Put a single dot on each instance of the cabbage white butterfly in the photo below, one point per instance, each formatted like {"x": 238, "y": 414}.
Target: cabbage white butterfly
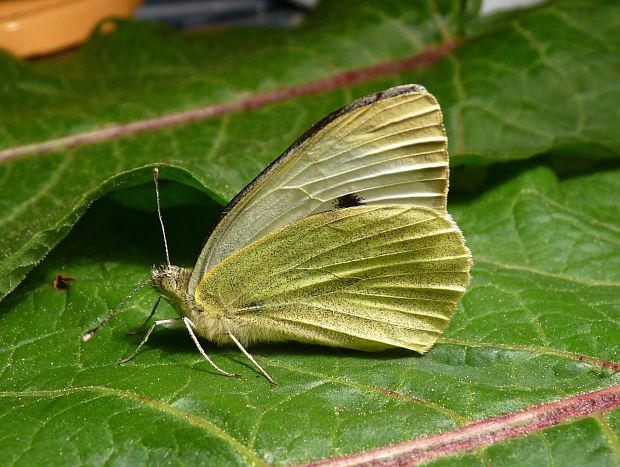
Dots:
{"x": 344, "y": 240}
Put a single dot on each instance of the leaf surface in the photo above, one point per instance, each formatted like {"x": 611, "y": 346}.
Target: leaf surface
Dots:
{"x": 531, "y": 346}
{"x": 527, "y": 332}
{"x": 540, "y": 81}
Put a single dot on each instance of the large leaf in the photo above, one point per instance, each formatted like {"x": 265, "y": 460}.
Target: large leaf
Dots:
{"x": 533, "y": 349}
{"x": 535, "y": 326}
{"x": 541, "y": 81}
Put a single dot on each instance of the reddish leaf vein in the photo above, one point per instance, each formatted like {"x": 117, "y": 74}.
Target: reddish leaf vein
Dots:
{"x": 250, "y": 101}
{"x": 485, "y": 432}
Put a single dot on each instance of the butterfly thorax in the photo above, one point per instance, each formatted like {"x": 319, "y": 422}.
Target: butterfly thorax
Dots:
{"x": 172, "y": 282}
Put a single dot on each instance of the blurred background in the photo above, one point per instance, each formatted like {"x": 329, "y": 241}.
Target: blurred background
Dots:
{"x": 34, "y": 28}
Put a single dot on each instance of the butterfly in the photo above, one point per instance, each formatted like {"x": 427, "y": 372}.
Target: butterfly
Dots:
{"x": 344, "y": 240}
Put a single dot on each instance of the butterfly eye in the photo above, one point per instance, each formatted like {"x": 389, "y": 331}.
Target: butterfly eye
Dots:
{"x": 169, "y": 283}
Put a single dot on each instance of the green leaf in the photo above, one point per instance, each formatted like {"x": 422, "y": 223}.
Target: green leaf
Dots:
{"x": 536, "y": 244}
{"x": 533, "y": 327}
{"x": 536, "y": 82}
{"x": 533, "y": 349}
{"x": 143, "y": 70}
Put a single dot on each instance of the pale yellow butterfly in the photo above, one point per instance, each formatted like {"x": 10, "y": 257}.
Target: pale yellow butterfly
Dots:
{"x": 344, "y": 240}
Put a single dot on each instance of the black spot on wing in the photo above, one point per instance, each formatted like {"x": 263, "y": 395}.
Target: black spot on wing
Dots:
{"x": 349, "y": 200}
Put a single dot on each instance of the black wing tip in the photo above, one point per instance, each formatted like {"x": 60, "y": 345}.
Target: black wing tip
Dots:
{"x": 356, "y": 104}
{"x": 375, "y": 97}
{"x": 391, "y": 92}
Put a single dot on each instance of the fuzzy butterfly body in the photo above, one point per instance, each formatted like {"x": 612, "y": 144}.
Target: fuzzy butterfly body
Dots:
{"x": 344, "y": 240}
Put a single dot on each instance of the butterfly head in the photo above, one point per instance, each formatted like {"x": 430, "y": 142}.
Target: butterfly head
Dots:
{"x": 171, "y": 282}
{"x": 165, "y": 278}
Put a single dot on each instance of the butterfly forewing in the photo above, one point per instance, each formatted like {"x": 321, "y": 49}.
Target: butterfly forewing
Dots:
{"x": 386, "y": 149}
{"x": 366, "y": 277}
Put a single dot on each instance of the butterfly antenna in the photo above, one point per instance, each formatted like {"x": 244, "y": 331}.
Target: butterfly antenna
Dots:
{"x": 89, "y": 334}
{"x": 161, "y": 220}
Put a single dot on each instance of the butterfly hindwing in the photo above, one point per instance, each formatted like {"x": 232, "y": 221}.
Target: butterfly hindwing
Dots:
{"x": 366, "y": 277}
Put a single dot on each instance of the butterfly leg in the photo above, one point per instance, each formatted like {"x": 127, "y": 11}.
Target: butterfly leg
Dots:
{"x": 189, "y": 325}
{"x": 161, "y": 322}
{"x": 247, "y": 354}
